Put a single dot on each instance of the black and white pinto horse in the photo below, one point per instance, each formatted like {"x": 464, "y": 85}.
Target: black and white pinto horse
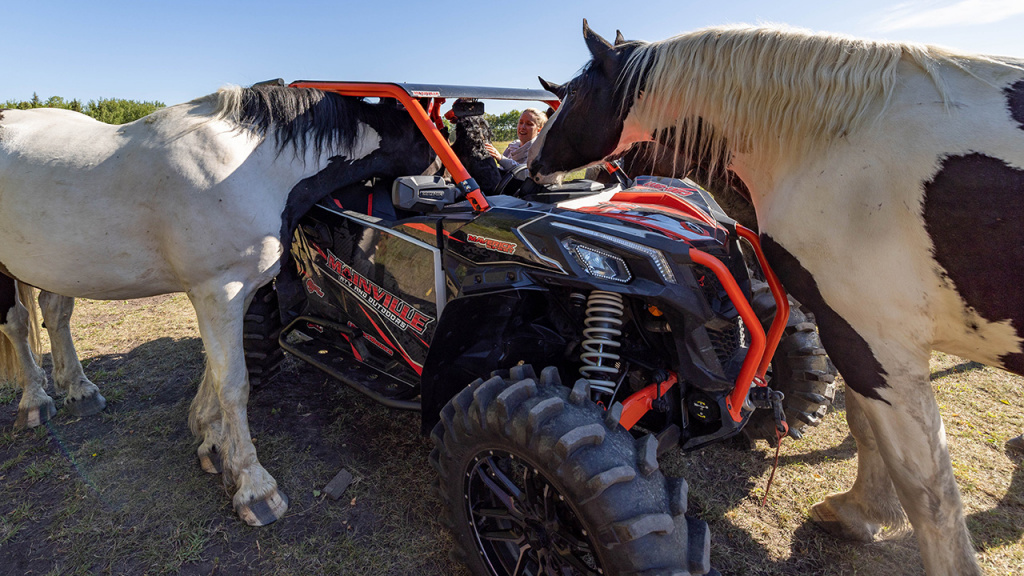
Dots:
{"x": 199, "y": 198}
{"x": 887, "y": 180}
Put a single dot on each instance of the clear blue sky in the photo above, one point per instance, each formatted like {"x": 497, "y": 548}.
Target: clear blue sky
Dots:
{"x": 176, "y": 51}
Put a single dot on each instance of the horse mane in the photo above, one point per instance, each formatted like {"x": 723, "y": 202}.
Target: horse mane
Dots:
{"x": 297, "y": 117}
{"x": 770, "y": 88}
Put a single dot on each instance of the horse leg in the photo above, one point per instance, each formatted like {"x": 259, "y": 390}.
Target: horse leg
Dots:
{"x": 911, "y": 441}
{"x": 860, "y": 513}
{"x": 219, "y": 311}
{"x": 204, "y": 421}
{"x": 82, "y": 398}
{"x": 36, "y": 407}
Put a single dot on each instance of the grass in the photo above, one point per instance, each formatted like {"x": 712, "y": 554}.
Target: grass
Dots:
{"x": 121, "y": 493}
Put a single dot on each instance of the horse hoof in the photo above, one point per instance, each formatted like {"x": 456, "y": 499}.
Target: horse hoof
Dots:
{"x": 263, "y": 512}
{"x": 210, "y": 462}
{"x": 86, "y": 405}
{"x": 825, "y": 518}
{"x": 1016, "y": 443}
{"x": 35, "y": 416}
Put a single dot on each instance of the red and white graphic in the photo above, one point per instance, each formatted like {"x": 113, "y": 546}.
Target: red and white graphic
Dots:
{"x": 492, "y": 244}
{"x": 312, "y": 288}
{"x": 397, "y": 311}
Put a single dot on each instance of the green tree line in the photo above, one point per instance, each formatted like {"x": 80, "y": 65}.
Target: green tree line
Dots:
{"x": 109, "y": 110}
{"x": 503, "y": 125}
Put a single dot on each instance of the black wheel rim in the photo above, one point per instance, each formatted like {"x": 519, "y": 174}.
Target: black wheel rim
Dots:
{"x": 522, "y": 524}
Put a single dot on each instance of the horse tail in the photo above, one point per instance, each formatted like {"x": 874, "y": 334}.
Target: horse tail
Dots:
{"x": 10, "y": 368}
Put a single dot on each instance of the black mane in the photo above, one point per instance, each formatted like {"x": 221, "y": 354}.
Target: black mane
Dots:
{"x": 302, "y": 117}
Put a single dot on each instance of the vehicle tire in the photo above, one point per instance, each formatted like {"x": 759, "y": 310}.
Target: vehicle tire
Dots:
{"x": 537, "y": 479}
{"x": 801, "y": 370}
{"x": 260, "y": 331}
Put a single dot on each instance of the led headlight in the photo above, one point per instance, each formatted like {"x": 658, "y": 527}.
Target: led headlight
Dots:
{"x": 656, "y": 257}
{"x": 598, "y": 263}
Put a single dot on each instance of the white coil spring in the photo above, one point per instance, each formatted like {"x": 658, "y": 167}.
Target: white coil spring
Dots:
{"x": 604, "y": 318}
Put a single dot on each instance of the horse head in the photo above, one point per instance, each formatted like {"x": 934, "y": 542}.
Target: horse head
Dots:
{"x": 595, "y": 103}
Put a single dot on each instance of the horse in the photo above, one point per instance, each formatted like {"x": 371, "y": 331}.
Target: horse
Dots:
{"x": 886, "y": 179}
{"x": 20, "y": 348}
{"x": 200, "y": 198}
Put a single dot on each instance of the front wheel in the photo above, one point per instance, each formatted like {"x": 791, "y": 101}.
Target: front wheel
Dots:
{"x": 536, "y": 479}
{"x": 801, "y": 370}
{"x": 260, "y": 331}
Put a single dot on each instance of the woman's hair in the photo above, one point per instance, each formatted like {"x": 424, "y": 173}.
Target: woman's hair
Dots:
{"x": 539, "y": 117}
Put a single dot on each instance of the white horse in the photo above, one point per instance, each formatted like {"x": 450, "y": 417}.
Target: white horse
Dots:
{"x": 888, "y": 181}
{"x": 199, "y": 198}
{"x": 20, "y": 349}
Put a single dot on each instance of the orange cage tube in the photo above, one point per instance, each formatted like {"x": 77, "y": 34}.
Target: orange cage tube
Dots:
{"x": 423, "y": 122}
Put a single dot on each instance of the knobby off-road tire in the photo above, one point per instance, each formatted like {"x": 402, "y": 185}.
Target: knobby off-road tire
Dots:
{"x": 261, "y": 329}
{"x": 537, "y": 479}
{"x": 800, "y": 369}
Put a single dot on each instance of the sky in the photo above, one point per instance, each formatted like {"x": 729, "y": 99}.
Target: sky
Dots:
{"x": 173, "y": 52}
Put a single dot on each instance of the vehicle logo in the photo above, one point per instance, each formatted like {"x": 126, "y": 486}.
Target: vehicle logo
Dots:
{"x": 696, "y": 228}
{"x": 397, "y": 311}
{"x": 492, "y": 244}
{"x": 378, "y": 344}
{"x": 312, "y": 288}
{"x": 425, "y": 94}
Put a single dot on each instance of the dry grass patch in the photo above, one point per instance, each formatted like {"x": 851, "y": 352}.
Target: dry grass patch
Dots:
{"x": 121, "y": 493}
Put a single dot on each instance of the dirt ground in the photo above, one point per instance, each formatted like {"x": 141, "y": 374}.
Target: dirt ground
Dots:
{"x": 122, "y": 492}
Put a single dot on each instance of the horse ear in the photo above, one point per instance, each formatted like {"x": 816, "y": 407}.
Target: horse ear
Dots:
{"x": 619, "y": 38}
{"x": 599, "y": 47}
{"x": 556, "y": 89}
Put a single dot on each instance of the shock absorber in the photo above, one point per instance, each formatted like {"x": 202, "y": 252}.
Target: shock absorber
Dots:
{"x": 603, "y": 320}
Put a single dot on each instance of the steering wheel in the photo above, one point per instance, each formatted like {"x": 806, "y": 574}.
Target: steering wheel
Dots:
{"x": 518, "y": 172}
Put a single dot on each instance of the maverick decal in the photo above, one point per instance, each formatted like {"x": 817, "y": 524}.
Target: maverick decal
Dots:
{"x": 492, "y": 244}
{"x": 378, "y": 344}
{"x": 397, "y": 311}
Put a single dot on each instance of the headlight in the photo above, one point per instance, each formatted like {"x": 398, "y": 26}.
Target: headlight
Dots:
{"x": 657, "y": 258}
{"x": 598, "y": 263}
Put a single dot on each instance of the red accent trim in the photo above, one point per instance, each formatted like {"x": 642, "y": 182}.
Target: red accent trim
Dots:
{"x": 338, "y": 203}
{"x": 355, "y": 352}
{"x": 369, "y": 204}
{"x": 665, "y": 200}
{"x": 419, "y": 116}
{"x": 430, "y": 230}
{"x": 435, "y": 113}
{"x": 416, "y": 367}
{"x": 634, "y": 219}
{"x": 639, "y": 403}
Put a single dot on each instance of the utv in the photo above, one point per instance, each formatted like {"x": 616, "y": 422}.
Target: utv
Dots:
{"x": 556, "y": 340}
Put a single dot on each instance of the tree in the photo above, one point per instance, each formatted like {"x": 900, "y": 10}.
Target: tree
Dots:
{"x": 503, "y": 125}
{"x": 109, "y": 110}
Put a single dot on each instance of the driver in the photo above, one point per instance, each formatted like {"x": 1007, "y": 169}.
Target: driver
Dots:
{"x": 530, "y": 123}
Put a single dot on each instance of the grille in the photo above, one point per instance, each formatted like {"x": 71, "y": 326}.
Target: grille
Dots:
{"x": 725, "y": 331}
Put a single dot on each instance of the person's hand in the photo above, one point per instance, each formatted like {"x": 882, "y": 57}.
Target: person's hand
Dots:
{"x": 492, "y": 151}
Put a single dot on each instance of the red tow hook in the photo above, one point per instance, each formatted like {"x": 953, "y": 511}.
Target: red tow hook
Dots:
{"x": 640, "y": 403}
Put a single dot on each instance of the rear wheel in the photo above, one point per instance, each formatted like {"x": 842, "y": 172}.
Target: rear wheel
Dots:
{"x": 536, "y": 479}
{"x": 261, "y": 329}
{"x": 800, "y": 369}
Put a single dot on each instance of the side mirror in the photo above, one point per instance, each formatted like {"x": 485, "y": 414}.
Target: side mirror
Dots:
{"x": 422, "y": 193}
